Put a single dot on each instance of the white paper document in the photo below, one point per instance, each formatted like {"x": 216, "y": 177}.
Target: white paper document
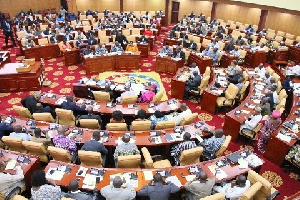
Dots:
{"x": 174, "y": 180}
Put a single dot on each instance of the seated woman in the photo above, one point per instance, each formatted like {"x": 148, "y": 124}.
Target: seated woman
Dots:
{"x": 270, "y": 125}
{"x": 141, "y": 115}
{"x": 41, "y": 188}
{"x": 148, "y": 95}
{"x": 117, "y": 117}
{"x": 157, "y": 117}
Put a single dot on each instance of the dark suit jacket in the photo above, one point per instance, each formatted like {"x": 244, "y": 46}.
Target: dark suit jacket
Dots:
{"x": 70, "y": 37}
{"x": 183, "y": 43}
{"x": 5, "y": 129}
{"x": 158, "y": 191}
{"x": 5, "y": 27}
{"x": 52, "y": 39}
{"x": 80, "y": 196}
{"x": 94, "y": 145}
{"x": 182, "y": 54}
{"x": 68, "y": 105}
{"x": 194, "y": 83}
{"x": 92, "y": 41}
{"x": 47, "y": 109}
{"x": 121, "y": 38}
{"x": 234, "y": 78}
{"x": 286, "y": 85}
{"x": 143, "y": 40}
{"x": 193, "y": 46}
{"x": 30, "y": 103}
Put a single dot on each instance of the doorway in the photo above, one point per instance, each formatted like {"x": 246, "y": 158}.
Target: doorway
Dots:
{"x": 175, "y": 12}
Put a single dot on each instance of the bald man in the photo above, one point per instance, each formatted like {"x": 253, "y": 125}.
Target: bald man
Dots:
{"x": 178, "y": 117}
{"x": 91, "y": 115}
{"x": 200, "y": 187}
{"x": 31, "y": 101}
{"x": 44, "y": 109}
{"x": 235, "y": 189}
{"x": 74, "y": 193}
{"x": 117, "y": 192}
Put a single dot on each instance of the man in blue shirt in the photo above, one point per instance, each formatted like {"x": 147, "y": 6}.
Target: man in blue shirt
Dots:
{"x": 5, "y": 129}
{"x": 19, "y": 133}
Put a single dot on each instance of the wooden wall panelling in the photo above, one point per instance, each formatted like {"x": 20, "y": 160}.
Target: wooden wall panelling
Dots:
{"x": 186, "y": 6}
{"x": 144, "y": 5}
{"x": 100, "y": 5}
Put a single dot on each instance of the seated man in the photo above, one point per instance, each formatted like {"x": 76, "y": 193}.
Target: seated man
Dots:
{"x": 143, "y": 39}
{"x": 53, "y": 38}
{"x": 287, "y": 83}
{"x": 265, "y": 106}
{"x": 5, "y": 129}
{"x": 91, "y": 115}
{"x": 235, "y": 189}
{"x": 199, "y": 187}
{"x": 192, "y": 45}
{"x": 234, "y": 78}
{"x": 121, "y": 39}
{"x": 125, "y": 148}
{"x": 166, "y": 50}
{"x": 192, "y": 84}
{"x": 183, "y": 43}
{"x": 178, "y": 53}
{"x": 148, "y": 32}
{"x": 185, "y": 145}
{"x": 214, "y": 44}
{"x": 80, "y": 35}
{"x": 128, "y": 92}
{"x": 178, "y": 117}
{"x": 213, "y": 144}
{"x": 19, "y": 132}
{"x": 206, "y": 51}
{"x": 236, "y": 52}
{"x": 95, "y": 145}
{"x": 100, "y": 50}
{"x": 260, "y": 70}
{"x": 75, "y": 193}
{"x": 46, "y": 109}
{"x": 214, "y": 55}
{"x": 131, "y": 47}
{"x": 62, "y": 141}
{"x": 29, "y": 43}
{"x": 117, "y": 47}
{"x": 92, "y": 40}
{"x": 233, "y": 68}
{"x": 31, "y": 101}
{"x": 71, "y": 105}
{"x": 10, "y": 181}
{"x": 67, "y": 36}
{"x": 194, "y": 68}
{"x": 157, "y": 189}
{"x": 87, "y": 50}
{"x": 157, "y": 117}
{"x": 253, "y": 120}
{"x": 117, "y": 192}
{"x": 38, "y": 138}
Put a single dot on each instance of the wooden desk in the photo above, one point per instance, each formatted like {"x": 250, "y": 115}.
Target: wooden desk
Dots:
{"x": 144, "y": 49}
{"x": 177, "y": 84}
{"x": 226, "y": 60}
{"x": 71, "y": 57}
{"x": 46, "y": 51}
{"x": 277, "y": 55}
{"x": 294, "y": 54}
{"x": 12, "y": 81}
{"x": 253, "y": 59}
{"x": 202, "y": 62}
{"x": 179, "y": 171}
{"x": 171, "y": 42}
{"x": 28, "y": 169}
{"x": 112, "y": 62}
{"x": 167, "y": 65}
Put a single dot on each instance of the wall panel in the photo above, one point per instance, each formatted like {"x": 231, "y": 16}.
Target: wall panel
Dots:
{"x": 144, "y": 5}
{"x": 283, "y": 22}
{"x": 100, "y": 5}
{"x": 238, "y": 13}
{"x": 15, "y": 6}
{"x": 186, "y": 6}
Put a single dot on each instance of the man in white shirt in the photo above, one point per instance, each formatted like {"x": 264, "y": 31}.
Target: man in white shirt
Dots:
{"x": 19, "y": 133}
{"x": 10, "y": 181}
{"x": 194, "y": 68}
{"x": 127, "y": 92}
{"x": 295, "y": 70}
{"x": 260, "y": 70}
{"x": 178, "y": 117}
{"x": 253, "y": 121}
{"x": 259, "y": 48}
{"x": 235, "y": 189}
{"x": 214, "y": 44}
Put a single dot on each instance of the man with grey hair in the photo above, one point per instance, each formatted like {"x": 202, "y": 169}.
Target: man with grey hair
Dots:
{"x": 31, "y": 101}
{"x": 115, "y": 191}
{"x": 128, "y": 92}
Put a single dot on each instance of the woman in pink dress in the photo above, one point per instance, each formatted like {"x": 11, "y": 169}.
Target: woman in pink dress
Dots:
{"x": 148, "y": 95}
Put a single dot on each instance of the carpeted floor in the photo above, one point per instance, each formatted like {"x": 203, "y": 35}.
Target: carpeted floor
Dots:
{"x": 62, "y": 78}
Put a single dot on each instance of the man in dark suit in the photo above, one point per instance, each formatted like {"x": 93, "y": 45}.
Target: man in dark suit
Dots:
{"x": 96, "y": 146}
{"x": 68, "y": 37}
{"x": 46, "y": 109}
{"x": 7, "y": 30}
{"x": 157, "y": 189}
{"x": 121, "y": 39}
{"x": 193, "y": 45}
{"x": 92, "y": 40}
{"x": 53, "y": 38}
{"x": 192, "y": 84}
{"x": 30, "y": 102}
{"x": 47, "y": 31}
{"x": 90, "y": 115}
{"x": 5, "y": 129}
{"x": 143, "y": 39}
{"x": 183, "y": 43}
{"x": 71, "y": 105}
{"x": 74, "y": 193}
{"x": 178, "y": 53}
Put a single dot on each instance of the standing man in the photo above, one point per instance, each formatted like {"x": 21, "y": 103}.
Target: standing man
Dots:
{"x": 7, "y": 30}
{"x": 62, "y": 12}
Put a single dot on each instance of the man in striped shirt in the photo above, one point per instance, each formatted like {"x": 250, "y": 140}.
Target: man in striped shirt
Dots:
{"x": 213, "y": 144}
{"x": 185, "y": 145}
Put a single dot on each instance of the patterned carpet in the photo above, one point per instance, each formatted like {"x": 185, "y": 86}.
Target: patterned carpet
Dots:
{"x": 62, "y": 78}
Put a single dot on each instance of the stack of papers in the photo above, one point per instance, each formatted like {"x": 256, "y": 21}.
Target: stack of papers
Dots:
{"x": 174, "y": 180}
{"x": 173, "y": 106}
{"x": 157, "y": 140}
{"x": 89, "y": 181}
{"x": 55, "y": 174}
{"x": 190, "y": 177}
{"x": 283, "y": 137}
{"x": 11, "y": 165}
{"x": 243, "y": 164}
{"x": 246, "y": 111}
{"x": 148, "y": 175}
{"x": 60, "y": 101}
{"x": 219, "y": 173}
{"x": 254, "y": 161}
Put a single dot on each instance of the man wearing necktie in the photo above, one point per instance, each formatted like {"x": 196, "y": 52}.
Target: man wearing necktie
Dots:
{"x": 8, "y": 32}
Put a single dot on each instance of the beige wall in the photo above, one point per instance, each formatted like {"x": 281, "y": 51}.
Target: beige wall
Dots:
{"x": 100, "y": 5}
{"x": 186, "y": 6}
{"x": 283, "y": 22}
{"x": 144, "y": 5}
{"x": 238, "y": 13}
{"x": 15, "y": 6}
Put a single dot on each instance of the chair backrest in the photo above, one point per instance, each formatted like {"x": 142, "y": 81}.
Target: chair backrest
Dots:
{"x": 279, "y": 86}
{"x": 250, "y": 193}
{"x": 196, "y": 39}
{"x": 188, "y": 119}
{"x": 141, "y": 125}
{"x": 243, "y": 90}
{"x": 90, "y": 158}
{"x": 126, "y": 32}
{"x": 85, "y": 23}
{"x": 129, "y": 25}
{"x": 104, "y": 39}
{"x": 136, "y": 31}
{"x": 276, "y": 76}
{"x": 265, "y": 190}
{"x": 116, "y": 127}
{"x": 289, "y": 36}
{"x": 60, "y": 154}
{"x": 224, "y": 146}
{"x": 278, "y": 38}
{"x": 101, "y": 96}
{"x": 87, "y": 28}
{"x": 22, "y": 111}
{"x": 205, "y": 42}
{"x": 46, "y": 117}
{"x": 270, "y": 70}
{"x": 243, "y": 54}
{"x": 148, "y": 158}
{"x": 14, "y": 144}
{"x": 204, "y": 84}
{"x": 36, "y": 148}
{"x": 89, "y": 123}
{"x": 101, "y": 33}
{"x": 131, "y": 38}
{"x": 231, "y": 91}
{"x": 20, "y": 34}
{"x": 65, "y": 117}
{"x": 165, "y": 124}
{"x": 157, "y": 97}
{"x": 43, "y": 41}
{"x": 18, "y": 197}
{"x": 282, "y": 94}
{"x": 207, "y": 72}
{"x": 190, "y": 156}
{"x": 217, "y": 196}
{"x": 129, "y": 99}
{"x": 130, "y": 161}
